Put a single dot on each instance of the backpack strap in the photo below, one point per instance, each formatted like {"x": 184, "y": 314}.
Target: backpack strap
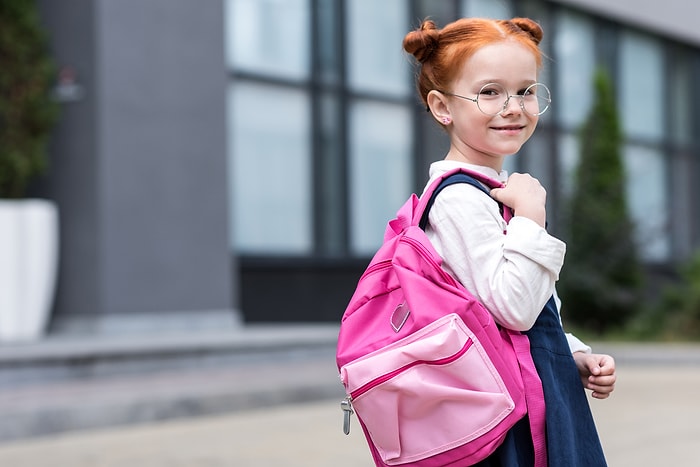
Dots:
{"x": 457, "y": 177}
{"x": 534, "y": 394}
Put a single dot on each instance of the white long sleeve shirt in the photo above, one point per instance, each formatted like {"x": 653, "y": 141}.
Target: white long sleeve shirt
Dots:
{"x": 513, "y": 275}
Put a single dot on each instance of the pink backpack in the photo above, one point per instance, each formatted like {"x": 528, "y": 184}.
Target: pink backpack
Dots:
{"x": 434, "y": 381}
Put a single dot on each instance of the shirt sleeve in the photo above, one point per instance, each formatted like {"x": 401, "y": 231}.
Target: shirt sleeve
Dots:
{"x": 511, "y": 268}
{"x": 576, "y": 345}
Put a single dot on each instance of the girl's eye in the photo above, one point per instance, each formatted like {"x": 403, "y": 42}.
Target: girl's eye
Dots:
{"x": 491, "y": 92}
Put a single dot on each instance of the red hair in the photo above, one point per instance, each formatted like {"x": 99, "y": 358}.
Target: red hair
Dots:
{"x": 442, "y": 52}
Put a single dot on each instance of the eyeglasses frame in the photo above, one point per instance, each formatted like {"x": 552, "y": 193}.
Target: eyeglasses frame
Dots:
{"x": 507, "y": 101}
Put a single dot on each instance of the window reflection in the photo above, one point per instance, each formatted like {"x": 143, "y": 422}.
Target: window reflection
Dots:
{"x": 575, "y": 62}
{"x": 647, "y": 198}
{"x": 269, "y": 37}
{"x": 569, "y": 157}
{"x": 641, "y": 89}
{"x": 270, "y": 169}
{"x": 381, "y": 174}
{"x": 375, "y": 32}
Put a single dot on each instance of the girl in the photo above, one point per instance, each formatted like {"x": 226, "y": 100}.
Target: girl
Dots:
{"x": 478, "y": 78}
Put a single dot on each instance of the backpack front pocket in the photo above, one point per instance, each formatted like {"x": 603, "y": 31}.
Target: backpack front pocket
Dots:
{"x": 428, "y": 393}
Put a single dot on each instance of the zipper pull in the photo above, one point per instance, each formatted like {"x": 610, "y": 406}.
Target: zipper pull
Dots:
{"x": 346, "y": 407}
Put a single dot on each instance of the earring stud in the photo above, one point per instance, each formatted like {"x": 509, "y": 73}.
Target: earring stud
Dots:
{"x": 445, "y": 120}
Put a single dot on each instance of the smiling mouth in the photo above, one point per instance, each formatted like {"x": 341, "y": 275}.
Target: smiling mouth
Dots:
{"x": 509, "y": 128}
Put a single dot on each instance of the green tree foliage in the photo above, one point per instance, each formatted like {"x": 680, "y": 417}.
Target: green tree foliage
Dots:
{"x": 27, "y": 112}
{"x": 602, "y": 279}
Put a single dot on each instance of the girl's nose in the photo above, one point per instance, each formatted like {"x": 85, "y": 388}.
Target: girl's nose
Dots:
{"x": 511, "y": 106}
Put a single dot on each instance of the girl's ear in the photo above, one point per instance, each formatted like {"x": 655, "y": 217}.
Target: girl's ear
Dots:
{"x": 437, "y": 103}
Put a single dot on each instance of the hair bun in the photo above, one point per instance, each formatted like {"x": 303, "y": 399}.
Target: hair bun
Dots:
{"x": 529, "y": 26}
{"x": 422, "y": 42}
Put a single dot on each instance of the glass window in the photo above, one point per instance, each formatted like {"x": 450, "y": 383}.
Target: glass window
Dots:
{"x": 269, "y": 37}
{"x": 574, "y": 61}
{"x": 376, "y": 62}
{"x": 569, "y": 156}
{"x": 380, "y": 170}
{"x": 270, "y": 169}
{"x": 641, "y": 90}
{"x": 647, "y": 199}
{"x": 497, "y": 9}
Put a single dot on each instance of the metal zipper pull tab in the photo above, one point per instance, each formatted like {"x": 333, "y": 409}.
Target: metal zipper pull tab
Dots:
{"x": 346, "y": 407}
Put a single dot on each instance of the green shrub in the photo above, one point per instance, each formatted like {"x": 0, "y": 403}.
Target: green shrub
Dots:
{"x": 602, "y": 279}
{"x": 27, "y": 112}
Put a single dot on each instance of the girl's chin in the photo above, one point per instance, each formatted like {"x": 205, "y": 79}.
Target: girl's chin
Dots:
{"x": 507, "y": 150}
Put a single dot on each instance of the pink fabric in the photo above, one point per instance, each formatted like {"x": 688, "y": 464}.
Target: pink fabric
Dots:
{"x": 427, "y": 393}
{"x": 432, "y": 378}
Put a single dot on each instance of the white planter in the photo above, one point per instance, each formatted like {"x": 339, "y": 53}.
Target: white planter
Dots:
{"x": 28, "y": 267}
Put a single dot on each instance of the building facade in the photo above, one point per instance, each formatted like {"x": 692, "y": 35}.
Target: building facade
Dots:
{"x": 239, "y": 159}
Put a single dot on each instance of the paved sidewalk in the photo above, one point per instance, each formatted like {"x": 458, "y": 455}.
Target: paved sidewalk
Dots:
{"x": 651, "y": 420}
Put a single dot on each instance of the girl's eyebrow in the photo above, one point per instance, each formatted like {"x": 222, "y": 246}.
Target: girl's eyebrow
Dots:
{"x": 525, "y": 82}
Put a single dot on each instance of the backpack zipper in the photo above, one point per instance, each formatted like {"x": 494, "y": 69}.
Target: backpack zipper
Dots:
{"x": 428, "y": 256}
{"x": 383, "y": 264}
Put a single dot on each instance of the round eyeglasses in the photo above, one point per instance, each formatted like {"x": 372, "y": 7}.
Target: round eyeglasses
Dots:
{"x": 493, "y": 99}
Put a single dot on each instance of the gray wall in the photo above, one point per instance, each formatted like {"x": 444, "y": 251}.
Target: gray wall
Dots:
{"x": 138, "y": 165}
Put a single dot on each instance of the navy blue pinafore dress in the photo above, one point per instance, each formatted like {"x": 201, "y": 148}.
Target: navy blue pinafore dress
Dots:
{"x": 572, "y": 438}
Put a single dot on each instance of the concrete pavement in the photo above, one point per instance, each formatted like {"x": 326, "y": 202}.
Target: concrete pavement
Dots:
{"x": 651, "y": 420}
{"x": 653, "y": 417}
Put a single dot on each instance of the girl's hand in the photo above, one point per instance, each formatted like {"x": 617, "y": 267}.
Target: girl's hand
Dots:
{"x": 597, "y": 373}
{"x": 525, "y": 195}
